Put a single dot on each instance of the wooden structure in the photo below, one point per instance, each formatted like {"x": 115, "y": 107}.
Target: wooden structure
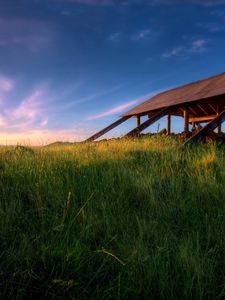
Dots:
{"x": 198, "y": 102}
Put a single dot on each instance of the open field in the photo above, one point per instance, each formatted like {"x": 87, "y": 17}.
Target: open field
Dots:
{"x": 123, "y": 219}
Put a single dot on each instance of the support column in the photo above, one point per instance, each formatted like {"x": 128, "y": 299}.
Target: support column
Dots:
{"x": 186, "y": 119}
{"x": 168, "y": 124}
{"x": 138, "y": 121}
{"x": 218, "y": 130}
{"x": 154, "y": 118}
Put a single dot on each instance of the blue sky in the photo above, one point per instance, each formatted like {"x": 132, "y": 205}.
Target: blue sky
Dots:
{"x": 71, "y": 67}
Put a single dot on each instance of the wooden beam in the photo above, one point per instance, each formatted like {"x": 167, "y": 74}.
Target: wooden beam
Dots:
{"x": 210, "y": 105}
{"x": 136, "y": 131}
{"x": 210, "y": 126}
{"x": 213, "y": 135}
{"x": 193, "y": 111}
{"x": 168, "y": 124}
{"x": 108, "y": 128}
{"x": 186, "y": 120}
{"x": 202, "y": 119}
{"x": 202, "y": 109}
{"x": 181, "y": 109}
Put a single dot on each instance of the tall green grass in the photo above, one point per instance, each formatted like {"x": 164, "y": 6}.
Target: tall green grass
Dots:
{"x": 123, "y": 219}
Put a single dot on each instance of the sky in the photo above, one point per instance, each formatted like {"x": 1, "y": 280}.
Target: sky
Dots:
{"x": 68, "y": 68}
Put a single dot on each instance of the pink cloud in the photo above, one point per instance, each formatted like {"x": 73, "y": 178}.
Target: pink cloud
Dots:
{"x": 26, "y": 122}
{"x": 120, "y": 108}
{"x": 29, "y": 107}
{"x": 29, "y": 113}
{"x": 6, "y": 84}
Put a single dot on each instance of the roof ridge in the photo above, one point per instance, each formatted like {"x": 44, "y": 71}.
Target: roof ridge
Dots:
{"x": 210, "y": 86}
{"x": 189, "y": 84}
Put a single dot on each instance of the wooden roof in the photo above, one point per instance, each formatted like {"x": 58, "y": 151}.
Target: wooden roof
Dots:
{"x": 199, "y": 90}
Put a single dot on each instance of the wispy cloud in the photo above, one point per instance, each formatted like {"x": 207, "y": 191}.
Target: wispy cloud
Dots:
{"x": 212, "y": 27}
{"x": 177, "y": 51}
{"x": 143, "y": 34}
{"x": 26, "y": 115}
{"x": 27, "y": 121}
{"x": 196, "y": 46}
{"x": 93, "y": 96}
{"x": 29, "y": 108}
{"x": 115, "y": 36}
{"x": 27, "y": 124}
{"x": 115, "y": 110}
{"x": 6, "y": 84}
{"x": 121, "y": 107}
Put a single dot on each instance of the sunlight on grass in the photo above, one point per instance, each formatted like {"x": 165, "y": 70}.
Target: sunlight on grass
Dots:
{"x": 119, "y": 219}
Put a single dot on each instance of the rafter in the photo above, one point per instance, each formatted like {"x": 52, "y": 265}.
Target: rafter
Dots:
{"x": 193, "y": 111}
{"x": 210, "y": 105}
{"x": 181, "y": 110}
{"x": 202, "y": 109}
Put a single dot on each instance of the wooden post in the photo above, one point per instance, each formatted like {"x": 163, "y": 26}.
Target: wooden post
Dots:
{"x": 154, "y": 118}
{"x": 219, "y": 127}
{"x": 186, "y": 119}
{"x": 168, "y": 124}
{"x": 138, "y": 121}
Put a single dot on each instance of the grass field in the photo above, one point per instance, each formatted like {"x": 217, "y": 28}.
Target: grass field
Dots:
{"x": 123, "y": 219}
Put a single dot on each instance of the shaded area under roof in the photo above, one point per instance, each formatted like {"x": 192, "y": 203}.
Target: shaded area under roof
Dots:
{"x": 199, "y": 90}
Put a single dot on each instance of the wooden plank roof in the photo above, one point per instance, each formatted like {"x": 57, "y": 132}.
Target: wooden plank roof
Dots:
{"x": 199, "y": 90}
